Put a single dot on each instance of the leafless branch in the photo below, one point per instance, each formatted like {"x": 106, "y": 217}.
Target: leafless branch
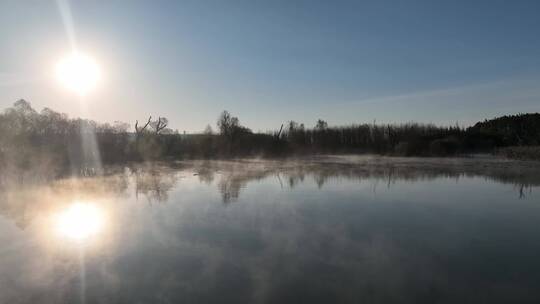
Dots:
{"x": 140, "y": 130}
{"x": 161, "y": 124}
{"x": 279, "y": 133}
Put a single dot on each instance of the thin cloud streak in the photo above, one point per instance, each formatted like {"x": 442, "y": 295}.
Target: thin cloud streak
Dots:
{"x": 478, "y": 91}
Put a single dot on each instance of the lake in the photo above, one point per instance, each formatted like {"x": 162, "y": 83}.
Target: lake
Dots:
{"x": 328, "y": 229}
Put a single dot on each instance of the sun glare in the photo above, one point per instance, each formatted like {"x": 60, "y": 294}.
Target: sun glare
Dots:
{"x": 79, "y": 221}
{"x": 78, "y": 72}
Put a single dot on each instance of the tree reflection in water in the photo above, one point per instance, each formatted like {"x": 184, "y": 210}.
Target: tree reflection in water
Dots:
{"x": 155, "y": 180}
{"x": 233, "y": 176}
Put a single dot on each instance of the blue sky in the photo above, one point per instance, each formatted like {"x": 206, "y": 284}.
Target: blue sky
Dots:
{"x": 268, "y": 62}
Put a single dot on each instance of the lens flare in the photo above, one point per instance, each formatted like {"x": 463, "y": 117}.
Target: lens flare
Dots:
{"x": 78, "y": 72}
{"x": 79, "y": 221}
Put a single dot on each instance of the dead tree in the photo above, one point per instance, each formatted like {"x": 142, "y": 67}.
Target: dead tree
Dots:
{"x": 139, "y": 131}
{"x": 277, "y": 136}
{"x": 161, "y": 124}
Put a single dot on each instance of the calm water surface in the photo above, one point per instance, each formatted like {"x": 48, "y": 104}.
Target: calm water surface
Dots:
{"x": 320, "y": 230}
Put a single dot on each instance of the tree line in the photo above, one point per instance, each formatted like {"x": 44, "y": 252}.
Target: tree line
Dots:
{"x": 30, "y": 139}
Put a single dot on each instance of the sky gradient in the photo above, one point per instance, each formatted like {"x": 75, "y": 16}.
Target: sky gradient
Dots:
{"x": 268, "y": 62}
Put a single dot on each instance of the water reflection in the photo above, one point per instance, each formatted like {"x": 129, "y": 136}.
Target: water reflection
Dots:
{"x": 234, "y": 176}
{"x": 154, "y": 181}
{"x": 314, "y": 230}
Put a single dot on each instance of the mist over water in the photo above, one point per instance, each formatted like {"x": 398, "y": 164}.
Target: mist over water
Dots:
{"x": 320, "y": 229}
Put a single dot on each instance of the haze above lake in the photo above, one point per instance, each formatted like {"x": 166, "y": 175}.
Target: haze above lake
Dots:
{"x": 327, "y": 229}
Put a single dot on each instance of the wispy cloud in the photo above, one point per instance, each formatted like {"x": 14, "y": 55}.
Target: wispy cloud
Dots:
{"x": 486, "y": 92}
{"x": 462, "y": 104}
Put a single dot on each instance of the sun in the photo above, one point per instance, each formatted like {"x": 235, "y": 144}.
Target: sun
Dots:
{"x": 79, "y": 221}
{"x": 78, "y": 72}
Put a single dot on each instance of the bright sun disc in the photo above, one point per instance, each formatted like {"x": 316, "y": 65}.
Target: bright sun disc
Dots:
{"x": 79, "y": 221}
{"x": 78, "y": 72}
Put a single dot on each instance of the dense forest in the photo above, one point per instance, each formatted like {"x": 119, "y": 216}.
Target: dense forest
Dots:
{"x": 29, "y": 138}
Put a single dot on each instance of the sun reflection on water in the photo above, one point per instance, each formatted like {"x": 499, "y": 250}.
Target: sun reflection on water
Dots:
{"x": 80, "y": 221}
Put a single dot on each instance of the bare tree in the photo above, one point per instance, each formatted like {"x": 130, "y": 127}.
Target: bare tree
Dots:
{"x": 139, "y": 131}
{"x": 160, "y": 124}
{"x": 228, "y": 125}
{"x": 321, "y": 125}
{"x": 278, "y": 135}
